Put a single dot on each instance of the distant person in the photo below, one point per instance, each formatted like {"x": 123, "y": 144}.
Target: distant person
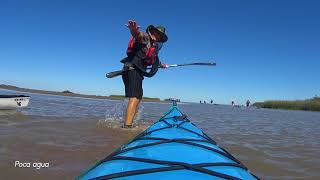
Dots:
{"x": 204, "y": 102}
{"x": 211, "y": 101}
{"x": 142, "y": 52}
{"x": 248, "y": 103}
{"x": 232, "y": 103}
{"x": 200, "y": 102}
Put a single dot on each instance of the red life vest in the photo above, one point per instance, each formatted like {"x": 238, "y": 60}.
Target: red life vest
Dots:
{"x": 150, "y": 52}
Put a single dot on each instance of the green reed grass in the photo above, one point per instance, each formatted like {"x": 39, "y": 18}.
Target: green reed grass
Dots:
{"x": 312, "y": 104}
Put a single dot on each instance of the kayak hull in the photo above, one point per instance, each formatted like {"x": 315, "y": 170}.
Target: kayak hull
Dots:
{"x": 172, "y": 148}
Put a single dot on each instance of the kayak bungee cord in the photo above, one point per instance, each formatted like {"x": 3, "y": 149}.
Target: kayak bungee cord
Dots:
{"x": 145, "y": 147}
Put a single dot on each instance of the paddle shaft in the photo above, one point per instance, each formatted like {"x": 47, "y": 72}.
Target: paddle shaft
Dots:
{"x": 118, "y": 73}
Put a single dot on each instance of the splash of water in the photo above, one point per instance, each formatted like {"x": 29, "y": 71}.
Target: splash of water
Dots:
{"x": 116, "y": 114}
{"x": 139, "y": 121}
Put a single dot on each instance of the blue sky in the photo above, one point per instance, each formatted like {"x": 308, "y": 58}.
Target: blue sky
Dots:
{"x": 263, "y": 49}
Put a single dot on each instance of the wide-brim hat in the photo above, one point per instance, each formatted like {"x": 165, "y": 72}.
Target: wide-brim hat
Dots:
{"x": 161, "y": 30}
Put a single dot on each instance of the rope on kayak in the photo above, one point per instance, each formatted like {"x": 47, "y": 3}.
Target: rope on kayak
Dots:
{"x": 172, "y": 167}
{"x": 202, "y": 167}
{"x": 182, "y": 141}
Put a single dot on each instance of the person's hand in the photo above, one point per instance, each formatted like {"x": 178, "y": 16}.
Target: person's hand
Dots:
{"x": 133, "y": 26}
{"x": 164, "y": 65}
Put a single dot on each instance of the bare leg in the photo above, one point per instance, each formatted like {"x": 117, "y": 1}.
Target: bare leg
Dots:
{"x": 131, "y": 110}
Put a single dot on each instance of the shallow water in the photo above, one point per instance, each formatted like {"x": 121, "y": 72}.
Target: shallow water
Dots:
{"x": 72, "y": 133}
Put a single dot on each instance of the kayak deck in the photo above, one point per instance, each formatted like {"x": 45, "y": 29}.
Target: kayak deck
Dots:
{"x": 171, "y": 148}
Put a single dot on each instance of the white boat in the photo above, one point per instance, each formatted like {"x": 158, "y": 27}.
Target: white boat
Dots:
{"x": 13, "y": 101}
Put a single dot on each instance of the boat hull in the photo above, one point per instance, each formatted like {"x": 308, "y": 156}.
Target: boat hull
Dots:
{"x": 13, "y": 102}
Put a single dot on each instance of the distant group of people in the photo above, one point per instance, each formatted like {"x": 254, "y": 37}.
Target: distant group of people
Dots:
{"x": 205, "y": 102}
{"x": 247, "y": 103}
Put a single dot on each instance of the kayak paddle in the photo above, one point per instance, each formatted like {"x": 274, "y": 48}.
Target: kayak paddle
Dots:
{"x": 118, "y": 73}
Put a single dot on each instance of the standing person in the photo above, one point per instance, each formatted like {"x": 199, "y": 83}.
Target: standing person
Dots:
{"x": 211, "y": 101}
{"x": 248, "y": 103}
{"x": 142, "y": 52}
{"x": 232, "y": 103}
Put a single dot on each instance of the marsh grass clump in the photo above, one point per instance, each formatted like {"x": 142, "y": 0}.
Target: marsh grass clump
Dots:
{"x": 312, "y": 104}
{"x": 67, "y": 92}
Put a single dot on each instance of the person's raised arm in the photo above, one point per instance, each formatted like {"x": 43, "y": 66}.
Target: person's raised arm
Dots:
{"x": 134, "y": 29}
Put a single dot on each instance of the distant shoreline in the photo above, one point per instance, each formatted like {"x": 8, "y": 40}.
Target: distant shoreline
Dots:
{"x": 71, "y": 94}
{"x": 312, "y": 104}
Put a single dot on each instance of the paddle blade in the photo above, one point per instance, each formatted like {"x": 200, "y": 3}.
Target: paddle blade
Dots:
{"x": 114, "y": 74}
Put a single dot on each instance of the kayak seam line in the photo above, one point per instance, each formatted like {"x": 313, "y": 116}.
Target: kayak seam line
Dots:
{"x": 209, "y": 139}
{"x": 213, "y": 142}
{"x": 203, "y": 132}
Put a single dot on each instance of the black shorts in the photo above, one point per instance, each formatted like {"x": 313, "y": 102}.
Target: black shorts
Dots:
{"x": 133, "y": 83}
